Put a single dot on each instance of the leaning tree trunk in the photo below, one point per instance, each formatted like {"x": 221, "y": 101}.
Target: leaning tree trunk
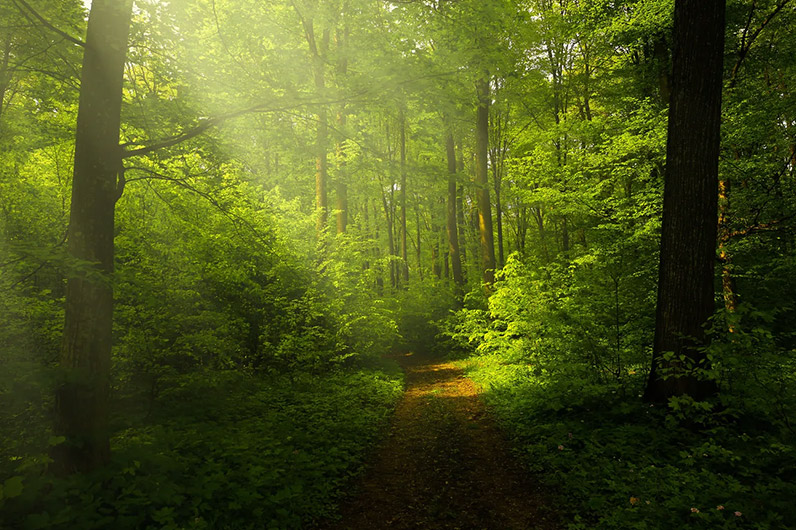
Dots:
{"x": 690, "y": 202}
{"x": 81, "y": 400}
{"x": 487, "y": 237}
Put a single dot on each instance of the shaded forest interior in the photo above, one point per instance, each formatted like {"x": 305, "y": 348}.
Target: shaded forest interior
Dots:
{"x": 397, "y": 264}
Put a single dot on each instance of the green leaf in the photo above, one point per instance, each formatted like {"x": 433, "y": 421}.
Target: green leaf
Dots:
{"x": 12, "y": 487}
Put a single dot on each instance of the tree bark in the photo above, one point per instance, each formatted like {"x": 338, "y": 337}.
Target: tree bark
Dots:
{"x": 5, "y": 77}
{"x": 690, "y": 201}
{"x": 661, "y": 54}
{"x": 404, "y": 253}
{"x": 417, "y": 236}
{"x": 460, "y": 210}
{"x": 452, "y": 224}
{"x": 81, "y": 400}
{"x": 318, "y": 52}
{"x": 727, "y": 280}
{"x": 482, "y": 184}
{"x": 341, "y": 186}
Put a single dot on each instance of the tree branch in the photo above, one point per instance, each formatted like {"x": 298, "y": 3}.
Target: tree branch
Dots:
{"x": 23, "y": 6}
{"x": 758, "y": 227}
{"x": 235, "y": 219}
{"x": 212, "y": 122}
{"x": 746, "y": 45}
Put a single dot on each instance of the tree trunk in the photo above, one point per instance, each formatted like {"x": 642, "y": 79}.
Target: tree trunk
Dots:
{"x": 417, "y": 235}
{"x": 482, "y": 184}
{"x": 389, "y": 216}
{"x": 452, "y": 225}
{"x": 81, "y": 400}
{"x": 404, "y": 254}
{"x": 460, "y": 209}
{"x": 5, "y": 76}
{"x": 499, "y": 219}
{"x": 539, "y": 216}
{"x": 341, "y": 186}
{"x": 318, "y": 51}
{"x": 497, "y": 155}
{"x": 727, "y": 280}
{"x": 377, "y": 251}
{"x": 661, "y": 53}
{"x": 690, "y": 201}
{"x": 436, "y": 255}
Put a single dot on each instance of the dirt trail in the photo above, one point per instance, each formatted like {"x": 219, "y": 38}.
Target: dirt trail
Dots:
{"x": 444, "y": 465}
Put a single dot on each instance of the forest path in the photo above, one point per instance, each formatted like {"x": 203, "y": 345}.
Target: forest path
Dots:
{"x": 444, "y": 464}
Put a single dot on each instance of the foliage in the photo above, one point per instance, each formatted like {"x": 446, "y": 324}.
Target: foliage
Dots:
{"x": 246, "y": 375}
{"x": 219, "y": 449}
{"x": 619, "y": 463}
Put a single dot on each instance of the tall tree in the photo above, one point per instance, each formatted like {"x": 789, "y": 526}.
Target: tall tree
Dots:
{"x": 486, "y": 234}
{"x": 404, "y": 255}
{"x": 341, "y": 187}
{"x": 452, "y": 226}
{"x": 690, "y": 202}
{"x": 319, "y": 47}
{"x": 81, "y": 402}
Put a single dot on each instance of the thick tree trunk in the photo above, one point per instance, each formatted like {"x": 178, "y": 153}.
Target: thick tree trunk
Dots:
{"x": 482, "y": 184}
{"x": 452, "y": 226}
{"x": 690, "y": 202}
{"x": 81, "y": 400}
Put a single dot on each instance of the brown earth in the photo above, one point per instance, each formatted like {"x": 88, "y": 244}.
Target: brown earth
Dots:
{"x": 444, "y": 465}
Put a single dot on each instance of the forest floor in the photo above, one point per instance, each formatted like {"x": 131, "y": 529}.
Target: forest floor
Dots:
{"x": 444, "y": 464}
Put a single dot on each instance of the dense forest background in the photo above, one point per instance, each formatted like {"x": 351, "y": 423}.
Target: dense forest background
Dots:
{"x": 300, "y": 187}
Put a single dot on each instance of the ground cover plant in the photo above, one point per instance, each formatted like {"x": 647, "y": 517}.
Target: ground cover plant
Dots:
{"x": 618, "y": 462}
{"x": 220, "y": 450}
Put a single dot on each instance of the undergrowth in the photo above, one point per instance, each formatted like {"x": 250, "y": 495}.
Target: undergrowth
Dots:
{"x": 619, "y": 463}
{"x": 218, "y": 450}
